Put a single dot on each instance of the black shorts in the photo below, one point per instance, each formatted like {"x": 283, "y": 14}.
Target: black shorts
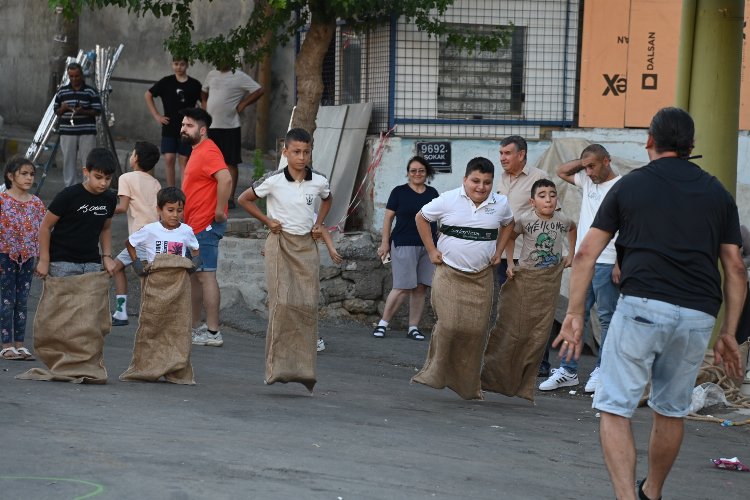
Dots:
{"x": 229, "y": 142}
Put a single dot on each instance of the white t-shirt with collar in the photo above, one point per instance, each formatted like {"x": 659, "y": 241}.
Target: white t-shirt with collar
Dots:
{"x": 591, "y": 198}
{"x": 292, "y": 202}
{"x": 455, "y": 208}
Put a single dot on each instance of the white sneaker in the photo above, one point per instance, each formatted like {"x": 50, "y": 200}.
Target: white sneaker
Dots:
{"x": 560, "y": 378}
{"x": 214, "y": 339}
{"x": 199, "y": 335}
{"x": 593, "y": 380}
{"x": 321, "y": 345}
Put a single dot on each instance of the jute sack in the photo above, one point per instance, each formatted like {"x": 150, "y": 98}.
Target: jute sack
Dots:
{"x": 69, "y": 328}
{"x": 525, "y": 313}
{"x": 163, "y": 339}
{"x": 462, "y": 303}
{"x": 292, "y": 266}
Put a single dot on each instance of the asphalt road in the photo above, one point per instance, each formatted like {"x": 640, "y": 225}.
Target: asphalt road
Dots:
{"x": 366, "y": 433}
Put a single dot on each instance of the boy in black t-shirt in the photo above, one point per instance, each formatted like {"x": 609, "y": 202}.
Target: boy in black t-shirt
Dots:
{"x": 78, "y": 220}
{"x": 177, "y": 91}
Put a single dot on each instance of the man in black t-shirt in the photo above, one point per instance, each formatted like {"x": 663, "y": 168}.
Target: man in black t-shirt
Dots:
{"x": 177, "y": 91}
{"x": 675, "y": 222}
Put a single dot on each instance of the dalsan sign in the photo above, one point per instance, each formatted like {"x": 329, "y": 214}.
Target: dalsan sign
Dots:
{"x": 437, "y": 154}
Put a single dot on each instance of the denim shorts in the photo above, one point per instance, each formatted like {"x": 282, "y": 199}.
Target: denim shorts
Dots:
{"x": 208, "y": 241}
{"x": 65, "y": 269}
{"x": 124, "y": 256}
{"x": 651, "y": 338}
{"x": 175, "y": 145}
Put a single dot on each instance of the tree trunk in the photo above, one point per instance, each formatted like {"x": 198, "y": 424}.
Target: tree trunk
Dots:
{"x": 309, "y": 71}
{"x": 65, "y": 43}
{"x": 264, "y": 104}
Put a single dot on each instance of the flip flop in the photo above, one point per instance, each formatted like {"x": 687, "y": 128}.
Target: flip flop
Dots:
{"x": 25, "y": 354}
{"x": 11, "y": 354}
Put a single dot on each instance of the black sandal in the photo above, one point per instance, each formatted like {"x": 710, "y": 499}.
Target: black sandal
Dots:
{"x": 415, "y": 334}
{"x": 379, "y": 332}
{"x": 641, "y": 494}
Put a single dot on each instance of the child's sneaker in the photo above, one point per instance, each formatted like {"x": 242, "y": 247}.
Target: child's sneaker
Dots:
{"x": 321, "y": 345}
{"x": 560, "y": 378}
{"x": 593, "y": 380}
{"x": 199, "y": 335}
{"x": 213, "y": 339}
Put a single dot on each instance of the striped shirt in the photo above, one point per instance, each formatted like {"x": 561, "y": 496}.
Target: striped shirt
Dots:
{"x": 71, "y": 123}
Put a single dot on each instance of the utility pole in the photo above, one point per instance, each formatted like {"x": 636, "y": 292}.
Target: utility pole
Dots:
{"x": 708, "y": 83}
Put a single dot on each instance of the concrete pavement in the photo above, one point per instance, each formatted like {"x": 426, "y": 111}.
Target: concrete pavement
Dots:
{"x": 366, "y": 433}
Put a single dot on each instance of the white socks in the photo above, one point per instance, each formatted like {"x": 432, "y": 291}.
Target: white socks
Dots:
{"x": 383, "y": 322}
{"x": 121, "y": 307}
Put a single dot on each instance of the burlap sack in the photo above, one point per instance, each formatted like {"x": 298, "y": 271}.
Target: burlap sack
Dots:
{"x": 292, "y": 265}
{"x": 524, "y": 318}
{"x": 163, "y": 339}
{"x": 462, "y": 303}
{"x": 69, "y": 328}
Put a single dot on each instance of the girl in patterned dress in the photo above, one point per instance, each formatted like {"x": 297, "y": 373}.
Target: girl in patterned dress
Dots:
{"x": 21, "y": 213}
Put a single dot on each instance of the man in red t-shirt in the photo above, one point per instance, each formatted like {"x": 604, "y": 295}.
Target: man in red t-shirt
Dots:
{"x": 207, "y": 184}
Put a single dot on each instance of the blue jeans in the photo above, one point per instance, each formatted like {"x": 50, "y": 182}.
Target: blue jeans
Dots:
{"x": 15, "y": 283}
{"x": 208, "y": 245}
{"x": 656, "y": 340}
{"x": 62, "y": 269}
{"x": 604, "y": 293}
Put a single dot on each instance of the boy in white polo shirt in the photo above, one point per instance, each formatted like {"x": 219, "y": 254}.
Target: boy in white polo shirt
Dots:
{"x": 475, "y": 225}
{"x": 292, "y": 260}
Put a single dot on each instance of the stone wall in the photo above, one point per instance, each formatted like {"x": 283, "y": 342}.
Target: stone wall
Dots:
{"x": 355, "y": 290}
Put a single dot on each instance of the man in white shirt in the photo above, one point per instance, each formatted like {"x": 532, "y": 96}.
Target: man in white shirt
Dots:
{"x": 593, "y": 174}
{"x": 226, "y": 93}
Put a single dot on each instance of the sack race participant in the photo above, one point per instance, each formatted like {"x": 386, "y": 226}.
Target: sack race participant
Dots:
{"x": 469, "y": 244}
{"x": 70, "y": 324}
{"x": 163, "y": 339}
{"x": 525, "y": 312}
{"x": 526, "y": 308}
{"x": 292, "y": 261}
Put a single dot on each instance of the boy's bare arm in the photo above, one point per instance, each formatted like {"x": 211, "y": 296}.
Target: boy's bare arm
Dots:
{"x": 45, "y": 233}
{"x": 572, "y": 238}
{"x": 105, "y": 240}
{"x": 160, "y": 119}
{"x": 326, "y": 236}
{"x": 131, "y": 251}
{"x": 204, "y": 99}
{"x": 505, "y": 240}
{"x": 325, "y": 207}
{"x": 247, "y": 201}
{"x": 122, "y": 204}
{"x": 425, "y": 232}
{"x": 568, "y": 170}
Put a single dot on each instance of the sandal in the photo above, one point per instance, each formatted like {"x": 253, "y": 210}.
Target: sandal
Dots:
{"x": 415, "y": 334}
{"x": 11, "y": 354}
{"x": 641, "y": 494}
{"x": 379, "y": 332}
{"x": 25, "y": 354}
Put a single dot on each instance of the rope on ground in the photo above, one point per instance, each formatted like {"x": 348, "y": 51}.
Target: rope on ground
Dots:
{"x": 367, "y": 180}
{"x": 717, "y": 375}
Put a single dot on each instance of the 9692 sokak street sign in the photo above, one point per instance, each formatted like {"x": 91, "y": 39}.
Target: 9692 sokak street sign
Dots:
{"x": 437, "y": 154}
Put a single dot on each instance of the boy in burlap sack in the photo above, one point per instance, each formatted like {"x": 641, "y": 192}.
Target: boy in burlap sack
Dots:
{"x": 292, "y": 260}
{"x": 73, "y": 313}
{"x": 163, "y": 339}
{"x": 475, "y": 225}
{"x": 527, "y": 303}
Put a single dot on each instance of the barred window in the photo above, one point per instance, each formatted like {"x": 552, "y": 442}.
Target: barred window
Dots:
{"x": 481, "y": 84}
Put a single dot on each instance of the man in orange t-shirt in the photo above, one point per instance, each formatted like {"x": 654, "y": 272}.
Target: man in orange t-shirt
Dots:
{"x": 207, "y": 184}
